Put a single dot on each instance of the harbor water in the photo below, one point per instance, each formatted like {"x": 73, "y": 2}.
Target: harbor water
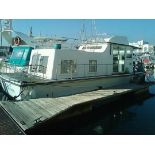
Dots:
{"x": 130, "y": 116}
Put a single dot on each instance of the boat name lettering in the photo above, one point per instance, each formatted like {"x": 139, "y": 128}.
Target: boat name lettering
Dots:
{"x": 92, "y": 47}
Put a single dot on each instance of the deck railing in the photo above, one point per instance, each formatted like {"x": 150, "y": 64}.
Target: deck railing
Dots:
{"x": 15, "y": 71}
{"x": 60, "y": 72}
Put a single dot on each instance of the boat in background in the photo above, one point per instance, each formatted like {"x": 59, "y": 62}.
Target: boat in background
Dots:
{"x": 5, "y": 52}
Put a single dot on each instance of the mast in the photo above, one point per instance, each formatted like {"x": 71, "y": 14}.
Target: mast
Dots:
{"x": 83, "y": 31}
{"x": 93, "y": 30}
{"x": 30, "y": 32}
{"x": 1, "y": 30}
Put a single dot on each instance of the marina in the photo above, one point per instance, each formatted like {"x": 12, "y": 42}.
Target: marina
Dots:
{"x": 46, "y": 81}
{"x": 77, "y": 77}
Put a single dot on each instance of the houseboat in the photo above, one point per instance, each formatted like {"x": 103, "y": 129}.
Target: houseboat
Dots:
{"x": 55, "y": 72}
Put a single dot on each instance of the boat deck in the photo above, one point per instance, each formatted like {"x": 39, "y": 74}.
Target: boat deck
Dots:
{"x": 21, "y": 78}
{"x": 30, "y": 113}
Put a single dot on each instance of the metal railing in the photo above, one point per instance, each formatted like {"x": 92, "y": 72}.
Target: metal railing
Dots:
{"x": 23, "y": 72}
{"x": 59, "y": 72}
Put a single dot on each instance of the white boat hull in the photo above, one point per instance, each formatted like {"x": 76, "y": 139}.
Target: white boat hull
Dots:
{"x": 11, "y": 89}
{"x": 61, "y": 88}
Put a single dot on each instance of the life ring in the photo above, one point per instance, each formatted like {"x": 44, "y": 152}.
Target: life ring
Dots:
{"x": 17, "y": 41}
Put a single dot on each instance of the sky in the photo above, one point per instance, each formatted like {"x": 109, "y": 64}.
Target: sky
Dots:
{"x": 134, "y": 29}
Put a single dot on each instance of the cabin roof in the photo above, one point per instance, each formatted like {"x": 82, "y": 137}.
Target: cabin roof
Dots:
{"x": 134, "y": 47}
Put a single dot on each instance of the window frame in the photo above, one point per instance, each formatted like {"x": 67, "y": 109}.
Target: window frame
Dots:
{"x": 92, "y": 66}
{"x": 67, "y": 67}
{"x": 42, "y": 67}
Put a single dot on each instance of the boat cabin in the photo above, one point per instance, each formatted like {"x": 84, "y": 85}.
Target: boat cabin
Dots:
{"x": 111, "y": 56}
{"x": 20, "y": 56}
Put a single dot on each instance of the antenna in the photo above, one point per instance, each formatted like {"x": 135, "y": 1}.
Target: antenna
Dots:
{"x": 93, "y": 29}
{"x": 30, "y": 33}
{"x": 83, "y": 31}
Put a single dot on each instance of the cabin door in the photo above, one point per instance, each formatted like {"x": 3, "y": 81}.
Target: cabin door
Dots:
{"x": 118, "y": 59}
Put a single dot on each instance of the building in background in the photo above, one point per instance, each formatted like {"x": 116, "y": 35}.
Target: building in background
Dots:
{"x": 145, "y": 55}
{"x": 145, "y": 47}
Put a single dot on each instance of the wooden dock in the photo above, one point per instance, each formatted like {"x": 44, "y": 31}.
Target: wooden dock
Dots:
{"x": 29, "y": 114}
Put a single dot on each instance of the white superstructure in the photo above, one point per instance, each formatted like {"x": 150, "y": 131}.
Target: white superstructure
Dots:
{"x": 91, "y": 59}
{"x": 57, "y": 72}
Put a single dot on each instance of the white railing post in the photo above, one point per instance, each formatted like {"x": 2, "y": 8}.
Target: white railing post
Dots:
{"x": 84, "y": 70}
{"x": 56, "y": 73}
{"x": 71, "y": 76}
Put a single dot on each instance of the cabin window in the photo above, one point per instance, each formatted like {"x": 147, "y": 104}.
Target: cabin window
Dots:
{"x": 68, "y": 66}
{"x": 115, "y": 60}
{"x": 25, "y": 53}
{"x": 128, "y": 54}
{"x": 121, "y": 54}
{"x": 92, "y": 65}
{"x": 17, "y": 54}
{"x": 43, "y": 64}
{"x": 34, "y": 62}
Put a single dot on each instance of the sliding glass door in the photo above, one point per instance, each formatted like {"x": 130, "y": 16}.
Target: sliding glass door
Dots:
{"x": 118, "y": 59}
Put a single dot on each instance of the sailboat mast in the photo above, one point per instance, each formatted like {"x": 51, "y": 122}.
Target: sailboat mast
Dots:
{"x": 83, "y": 31}
{"x": 93, "y": 30}
{"x": 1, "y": 30}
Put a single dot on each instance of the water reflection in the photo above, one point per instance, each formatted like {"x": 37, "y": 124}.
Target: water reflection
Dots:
{"x": 110, "y": 124}
{"x": 137, "y": 119}
{"x": 152, "y": 89}
{"x": 128, "y": 117}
